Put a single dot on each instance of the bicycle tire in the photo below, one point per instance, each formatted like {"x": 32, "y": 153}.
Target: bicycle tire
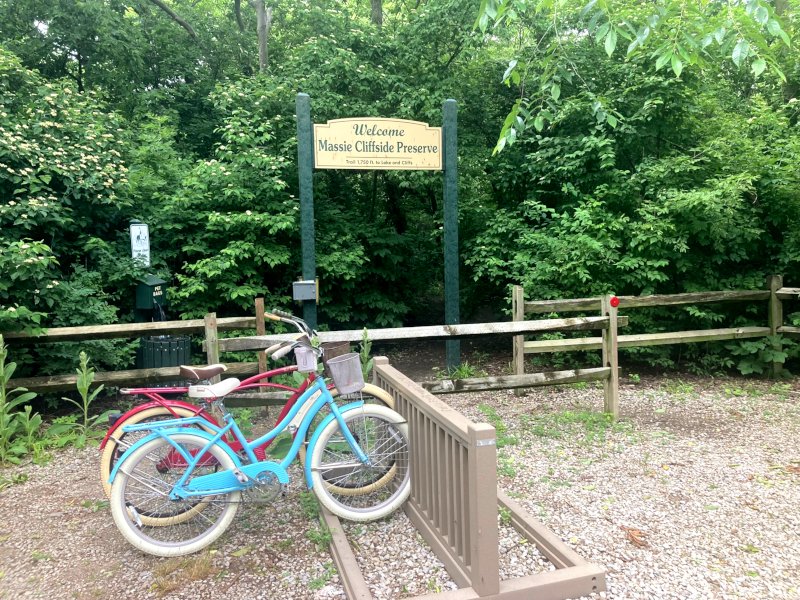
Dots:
{"x": 370, "y": 394}
{"x": 121, "y": 441}
{"x": 383, "y": 437}
{"x": 140, "y": 483}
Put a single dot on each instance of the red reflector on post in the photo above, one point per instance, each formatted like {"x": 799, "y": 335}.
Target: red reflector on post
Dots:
{"x": 614, "y": 301}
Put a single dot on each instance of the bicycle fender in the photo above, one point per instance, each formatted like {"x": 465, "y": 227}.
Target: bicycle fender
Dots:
{"x": 318, "y": 432}
{"x": 166, "y": 434}
{"x": 169, "y": 405}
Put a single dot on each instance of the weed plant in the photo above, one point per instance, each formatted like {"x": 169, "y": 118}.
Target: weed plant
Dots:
{"x": 17, "y": 428}
{"x": 79, "y": 430}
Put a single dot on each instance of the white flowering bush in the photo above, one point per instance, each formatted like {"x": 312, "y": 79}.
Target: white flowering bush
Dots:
{"x": 61, "y": 170}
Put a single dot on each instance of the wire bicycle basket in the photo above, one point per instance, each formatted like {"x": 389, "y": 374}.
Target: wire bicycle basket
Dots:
{"x": 346, "y": 373}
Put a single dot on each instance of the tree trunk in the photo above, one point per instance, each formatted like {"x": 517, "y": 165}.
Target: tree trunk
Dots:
{"x": 264, "y": 25}
{"x": 377, "y": 13}
{"x": 237, "y": 11}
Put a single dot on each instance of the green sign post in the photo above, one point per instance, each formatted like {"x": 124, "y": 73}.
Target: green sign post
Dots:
{"x": 370, "y": 143}
{"x": 305, "y": 167}
{"x": 451, "y": 292}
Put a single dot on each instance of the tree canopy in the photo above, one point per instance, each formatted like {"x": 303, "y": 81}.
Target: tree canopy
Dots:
{"x": 608, "y": 145}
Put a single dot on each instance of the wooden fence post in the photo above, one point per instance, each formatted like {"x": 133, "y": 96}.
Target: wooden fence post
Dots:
{"x": 774, "y": 283}
{"x": 518, "y": 314}
{"x": 610, "y": 357}
{"x": 212, "y": 342}
{"x": 261, "y": 330}
{"x": 484, "y": 534}
{"x": 518, "y": 341}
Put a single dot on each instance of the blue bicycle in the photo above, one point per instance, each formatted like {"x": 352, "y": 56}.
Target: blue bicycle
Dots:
{"x": 177, "y": 490}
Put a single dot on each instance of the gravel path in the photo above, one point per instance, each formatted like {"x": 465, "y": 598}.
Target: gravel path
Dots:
{"x": 694, "y": 493}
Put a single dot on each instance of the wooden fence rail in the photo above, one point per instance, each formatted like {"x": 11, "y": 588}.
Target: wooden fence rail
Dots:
{"x": 775, "y": 295}
{"x": 213, "y": 345}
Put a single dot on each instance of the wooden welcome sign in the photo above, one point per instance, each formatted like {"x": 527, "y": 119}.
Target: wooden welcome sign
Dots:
{"x": 377, "y": 143}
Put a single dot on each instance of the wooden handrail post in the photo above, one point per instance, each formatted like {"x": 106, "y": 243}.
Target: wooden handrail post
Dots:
{"x": 774, "y": 283}
{"x": 484, "y": 539}
{"x": 611, "y": 358}
{"x": 212, "y": 341}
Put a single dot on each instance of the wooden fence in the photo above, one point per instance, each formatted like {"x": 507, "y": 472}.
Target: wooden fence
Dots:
{"x": 213, "y": 345}
{"x": 774, "y": 295}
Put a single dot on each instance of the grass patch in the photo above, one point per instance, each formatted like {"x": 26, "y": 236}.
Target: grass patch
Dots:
{"x": 309, "y": 504}
{"x": 320, "y": 536}
{"x": 173, "y": 573}
{"x": 327, "y": 574}
{"x": 678, "y": 388}
{"x": 494, "y": 419}
{"x": 587, "y": 426}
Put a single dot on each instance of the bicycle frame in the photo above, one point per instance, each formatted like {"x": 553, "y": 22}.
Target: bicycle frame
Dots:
{"x": 229, "y": 481}
{"x": 157, "y": 398}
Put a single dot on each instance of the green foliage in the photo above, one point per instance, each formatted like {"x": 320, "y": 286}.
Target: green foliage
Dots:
{"x": 27, "y": 271}
{"x": 465, "y": 370}
{"x": 674, "y": 33}
{"x": 365, "y": 354}
{"x": 82, "y": 300}
{"x": 60, "y": 160}
{"x": 17, "y": 428}
{"x": 85, "y": 427}
{"x": 758, "y": 355}
{"x": 649, "y": 149}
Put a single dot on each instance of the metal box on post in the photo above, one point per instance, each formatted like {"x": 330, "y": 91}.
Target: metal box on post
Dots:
{"x": 305, "y": 290}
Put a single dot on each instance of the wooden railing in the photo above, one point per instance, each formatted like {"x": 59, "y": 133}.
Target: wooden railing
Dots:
{"x": 454, "y": 503}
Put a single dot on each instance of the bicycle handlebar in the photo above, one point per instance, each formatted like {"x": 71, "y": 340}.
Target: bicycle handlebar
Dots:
{"x": 300, "y": 324}
{"x": 284, "y": 349}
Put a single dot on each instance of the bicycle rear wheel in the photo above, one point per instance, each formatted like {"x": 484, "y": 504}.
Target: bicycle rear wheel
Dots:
{"x": 140, "y": 492}
{"x": 354, "y": 490}
{"x": 121, "y": 440}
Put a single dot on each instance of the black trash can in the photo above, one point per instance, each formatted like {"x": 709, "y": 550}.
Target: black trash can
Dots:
{"x": 164, "y": 351}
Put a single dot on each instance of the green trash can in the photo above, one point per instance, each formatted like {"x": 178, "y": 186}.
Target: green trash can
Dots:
{"x": 164, "y": 351}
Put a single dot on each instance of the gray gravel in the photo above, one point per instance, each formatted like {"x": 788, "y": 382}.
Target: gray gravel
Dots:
{"x": 693, "y": 494}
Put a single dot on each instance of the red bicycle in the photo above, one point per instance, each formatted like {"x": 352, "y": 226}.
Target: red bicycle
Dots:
{"x": 167, "y": 403}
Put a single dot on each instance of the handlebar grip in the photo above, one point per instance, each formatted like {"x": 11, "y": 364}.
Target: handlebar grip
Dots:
{"x": 273, "y": 348}
{"x": 281, "y": 352}
{"x": 271, "y": 316}
{"x": 283, "y": 314}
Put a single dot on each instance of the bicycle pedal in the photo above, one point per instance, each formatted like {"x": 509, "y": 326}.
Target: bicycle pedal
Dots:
{"x": 241, "y": 476}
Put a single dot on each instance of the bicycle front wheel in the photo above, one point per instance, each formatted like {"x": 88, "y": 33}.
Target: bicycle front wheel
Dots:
{"x": 140, "y": 496}
{"x": 336, "y": 471}
{"x": 370, "y": 394}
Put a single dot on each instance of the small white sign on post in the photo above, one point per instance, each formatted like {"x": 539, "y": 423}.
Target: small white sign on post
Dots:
{"x": 140, "y": 243}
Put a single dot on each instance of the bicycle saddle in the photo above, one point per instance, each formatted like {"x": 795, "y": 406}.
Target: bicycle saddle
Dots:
{"x": 201, "y": 373}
